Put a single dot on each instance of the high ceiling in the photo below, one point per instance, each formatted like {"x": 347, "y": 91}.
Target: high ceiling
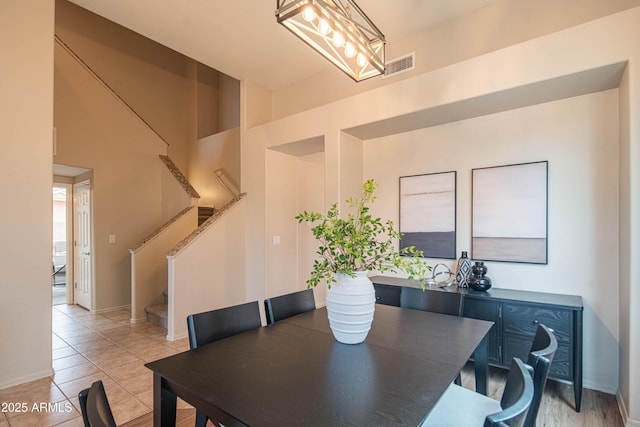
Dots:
{"x": 241, "y": 38}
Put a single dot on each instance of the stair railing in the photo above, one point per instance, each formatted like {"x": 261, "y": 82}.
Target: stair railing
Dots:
{"x": 221, "y": 176}
{"x": 86, "y": 66}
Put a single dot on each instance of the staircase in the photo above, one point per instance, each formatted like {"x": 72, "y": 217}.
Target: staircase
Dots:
{"x": 158, "y": 313}
{"x": 204, "y": 213}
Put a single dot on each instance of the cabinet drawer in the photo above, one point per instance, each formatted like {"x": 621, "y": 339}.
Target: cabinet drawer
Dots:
{"x": 521, "y": 319}
{"x": 387, "y": 294}
{"x": 518, "y": 346}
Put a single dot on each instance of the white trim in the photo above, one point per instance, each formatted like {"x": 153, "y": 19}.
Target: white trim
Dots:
{"x": 628, "y": 422}
{"x": 27, "y": 378}
{"x": 110, "y": 309}
{"x": 599, "y": 387}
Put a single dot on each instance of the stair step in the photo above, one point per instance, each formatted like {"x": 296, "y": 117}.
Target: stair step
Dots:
{"x": 204, "y": 213}
{"x": 158, "y": 314}
{"x": 205, "y": 210}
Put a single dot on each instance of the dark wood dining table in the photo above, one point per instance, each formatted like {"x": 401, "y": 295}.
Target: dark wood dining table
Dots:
{"x": 294, "y": 372}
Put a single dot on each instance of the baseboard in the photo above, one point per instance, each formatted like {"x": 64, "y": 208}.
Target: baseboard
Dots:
{"x": 110, "y": 309}
{"x": 27, "y": 378}
{"x": 176, "y": 337}
{"x": 628, "y": 422}
{"x": 139, "y": 320}
{"x": 599, "y": 387}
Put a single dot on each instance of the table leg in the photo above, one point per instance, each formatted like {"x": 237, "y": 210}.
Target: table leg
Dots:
{"x": 164, "y": 404}
{"x": 481, "y": 364}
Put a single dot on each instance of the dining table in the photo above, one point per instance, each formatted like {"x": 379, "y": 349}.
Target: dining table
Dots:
{"x": 295, "y": 373}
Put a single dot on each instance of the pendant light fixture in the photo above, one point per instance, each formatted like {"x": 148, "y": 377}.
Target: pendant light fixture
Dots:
{"x": 340, "y": 31}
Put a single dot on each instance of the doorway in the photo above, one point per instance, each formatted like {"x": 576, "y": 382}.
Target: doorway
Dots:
{"x": 66, "y": 179}
{"x": 60, "y": 243}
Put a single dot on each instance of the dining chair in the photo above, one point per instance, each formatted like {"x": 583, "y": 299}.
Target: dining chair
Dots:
{"x": 284, "y": 306}
{"x": 94, "y": 406}
{"x": 209, "y": 326}
{"x": 435, "y": 301}
{"x": 543, "y": 349}
{"x": 459, "y": 406}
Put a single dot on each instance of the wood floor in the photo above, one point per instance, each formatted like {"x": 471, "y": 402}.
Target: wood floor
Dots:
{"x": 557, "y": 408}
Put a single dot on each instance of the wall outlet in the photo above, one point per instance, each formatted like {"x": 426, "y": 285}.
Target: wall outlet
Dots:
{"x": 112, "y": 238}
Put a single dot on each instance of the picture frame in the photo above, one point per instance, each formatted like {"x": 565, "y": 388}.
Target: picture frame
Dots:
{"x": 510, "y": 213}
{"x": 428, "y": 213}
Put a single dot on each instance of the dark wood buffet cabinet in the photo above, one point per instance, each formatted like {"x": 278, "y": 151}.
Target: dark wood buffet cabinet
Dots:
{"x": 516, "y": 315}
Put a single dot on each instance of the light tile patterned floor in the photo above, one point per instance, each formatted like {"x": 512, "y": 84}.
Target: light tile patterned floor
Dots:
{"x": 85, "y": 348}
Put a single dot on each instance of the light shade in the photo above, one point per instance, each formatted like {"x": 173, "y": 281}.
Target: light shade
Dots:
{"x": 339, "y": 31}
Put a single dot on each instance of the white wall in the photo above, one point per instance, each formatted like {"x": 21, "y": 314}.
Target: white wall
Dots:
{"x": 26, "y": 121}
{"x": 491, "y": 81}
{"x": 209, "y": 272}
{"x": 579, "y": 139}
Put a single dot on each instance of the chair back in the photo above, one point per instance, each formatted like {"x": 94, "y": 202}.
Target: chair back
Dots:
{"x": 94, "y": 406}
{"x": 516, "y": 397}
{"x": 210, "y": 326}
{"x": 543, "y": 349}
{"x": 435, "y": 301}
{"x": 284, "y": 306}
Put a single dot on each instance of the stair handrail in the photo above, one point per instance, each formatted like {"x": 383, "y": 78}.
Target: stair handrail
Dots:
{"x": 91, "y": 71}
{"x": 219, "y": 174}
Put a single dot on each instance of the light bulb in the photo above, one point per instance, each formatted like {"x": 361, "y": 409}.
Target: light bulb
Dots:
{"x": 362, "y": 61}
{"x": 338, "y": 39}
{"x": 323, "y": 27}
{"x": 308, "y": 14}
{"x": 349, "y": 50}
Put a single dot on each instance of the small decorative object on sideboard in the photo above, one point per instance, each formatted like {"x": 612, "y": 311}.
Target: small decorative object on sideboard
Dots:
{"x": 478, "y": 281}
{"x": 463, "y": 270}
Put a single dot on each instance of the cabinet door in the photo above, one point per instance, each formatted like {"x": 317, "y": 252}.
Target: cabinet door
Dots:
{"x": 387, "y": 294}
{"x": 519, "y": 324}
{"x": 486, "y": 310}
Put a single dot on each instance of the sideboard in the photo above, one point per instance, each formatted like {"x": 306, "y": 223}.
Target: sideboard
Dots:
{"x": 515, "y": 315}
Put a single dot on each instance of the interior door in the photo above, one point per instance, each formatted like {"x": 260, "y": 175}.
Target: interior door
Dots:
{"x": 83, "y": 266}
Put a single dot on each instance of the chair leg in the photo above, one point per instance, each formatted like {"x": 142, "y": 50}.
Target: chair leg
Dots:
{"x": 201, "y": 419}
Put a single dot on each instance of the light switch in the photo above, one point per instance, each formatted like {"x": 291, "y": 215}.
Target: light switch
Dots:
{"x": 112, "y": 238}
{"x": 276, "y": 240}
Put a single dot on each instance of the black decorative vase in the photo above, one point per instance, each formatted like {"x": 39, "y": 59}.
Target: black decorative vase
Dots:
{"x": 478, "y": 281}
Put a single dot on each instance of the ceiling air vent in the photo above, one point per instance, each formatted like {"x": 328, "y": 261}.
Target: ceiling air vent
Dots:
{"x": 400, "y": 65}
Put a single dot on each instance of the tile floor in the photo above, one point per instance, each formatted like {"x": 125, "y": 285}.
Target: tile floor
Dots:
{"x": 88, "y": 347}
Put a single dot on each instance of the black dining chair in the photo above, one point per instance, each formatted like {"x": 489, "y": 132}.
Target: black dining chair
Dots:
{"x": 209, "y": 326}
{"x": 459, "y": 406}
{"x": 543, "y": 349}
{"x": 442, "y": 302}
{"x": 284, "y": 306}
{"x": 434, "y": 301}
{"x": 94, "y": 406}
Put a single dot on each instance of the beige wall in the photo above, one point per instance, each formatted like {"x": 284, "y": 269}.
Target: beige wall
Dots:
{"x": 127, "y": 172}
{"x": 500, "y": 24}
{"x": 157, "y": 82}
{"x": 527, "y": 72}
{"x": 26, "y": 120}
{"x": 206, "y": 155}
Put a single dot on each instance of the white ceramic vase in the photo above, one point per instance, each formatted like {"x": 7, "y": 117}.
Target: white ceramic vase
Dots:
{"x": 351, "y": 302}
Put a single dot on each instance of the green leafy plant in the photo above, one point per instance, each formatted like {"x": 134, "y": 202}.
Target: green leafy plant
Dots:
{"x": 359, "y": 242}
